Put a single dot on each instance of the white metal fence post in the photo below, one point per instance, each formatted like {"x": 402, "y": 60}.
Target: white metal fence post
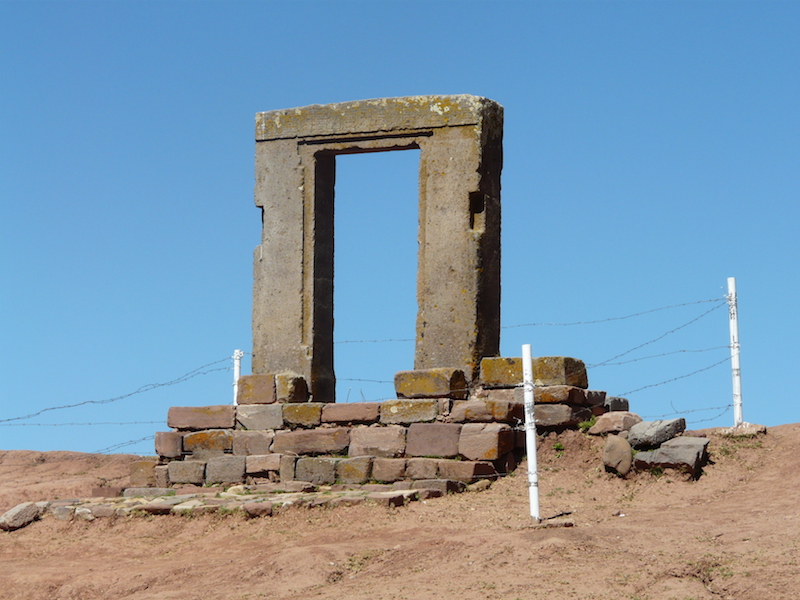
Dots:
{"x": 733, "y": 312}
{"x": 530, "y": 432}
{"x": 237, "y": 369}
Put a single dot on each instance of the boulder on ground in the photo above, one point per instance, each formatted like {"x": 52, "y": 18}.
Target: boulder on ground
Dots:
{"x": 617, "y": 455}
{"x": 649, "y": 434}
{"x": 614, "y": 422}
{"x": 20, "y": 516}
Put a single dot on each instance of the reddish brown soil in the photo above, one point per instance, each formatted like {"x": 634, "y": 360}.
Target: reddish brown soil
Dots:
{"x": 733, "y": 534}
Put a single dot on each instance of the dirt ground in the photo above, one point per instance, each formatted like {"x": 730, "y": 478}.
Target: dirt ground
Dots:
{"x": 733, "y": 534}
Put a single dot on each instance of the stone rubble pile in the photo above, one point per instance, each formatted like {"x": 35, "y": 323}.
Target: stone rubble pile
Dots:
{"x": 649, "y": 445}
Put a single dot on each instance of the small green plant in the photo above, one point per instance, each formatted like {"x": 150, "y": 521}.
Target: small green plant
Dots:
{"x": 585, "y": 426}
{"x": 559, "y": 448}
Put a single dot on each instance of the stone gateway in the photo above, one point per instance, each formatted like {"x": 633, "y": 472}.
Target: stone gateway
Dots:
{"x": 458, "y": 279}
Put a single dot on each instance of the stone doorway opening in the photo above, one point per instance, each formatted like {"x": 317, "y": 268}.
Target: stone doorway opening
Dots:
{"x": 375, "y": 268}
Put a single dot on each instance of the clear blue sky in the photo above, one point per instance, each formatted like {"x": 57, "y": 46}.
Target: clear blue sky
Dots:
{"x": 652, "y": 149}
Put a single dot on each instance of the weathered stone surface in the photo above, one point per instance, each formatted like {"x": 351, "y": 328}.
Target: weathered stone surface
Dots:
{"x": 246, "y": 443}
{"x": 460, "y": 143}
{"x": 103, "y": 511}
{"x": 649, "y": 434}
{"x": 485, "y": 441}
{"x": 387, "y": 442}
{"x": 317, "y": 470}
{"x": 187, "y": 471}
{"x": 560, "y": 370}
{"x": 210, "y": 441}
{"x": 422, "y": 468}
{"x": 148, "y": 492}
{"x": 687, "y": 457}
{"x": 743, "y": 430}
{"x": 109, "y": 491}
{"x": 313, "y": 441}
{"x": 431, "y": 383}
{"x": 465, "y": 470}
{"x": 697, "y": 443}
{"x": 62, "y": 513}
{"x": 257, "y": 417}
{"x": 225, "y": 469}
{"x": 560, "y": 415}
{"x": 19, "y": 516}
{"x": 287, "y": 468}
{"x": 487, "y": 410}
{"x": 442, "y": 485}
{"x": 258, "y": 464}
{"x": 388, "y": 469}
{"x": 433, "y": 439}
{"x": 257, "y": 509}
{"x": 614, "y": 422}
{"x": 169, "y": 444}
{"x": 355, "y": 412}
{"x": 408, "y": 411}
{"x": 291, "y": 387}
{"x": 354, "y": 470}
{"x": 143, "y": 473}
{"x": 498, "y": 371}
{"x": 256, "y": 389}
{"x": 196, "y": 418}
{"x": 162, "y": 476}
{"x": 547, "y": 371}
{"x": 307, "y": 414}
{"x": 614, "y": 403}
{"x": 503, "y": 394}
{"x": 617, "y": 455}
{"x": 83, "y": 513}
{"x": 393, "y": 498}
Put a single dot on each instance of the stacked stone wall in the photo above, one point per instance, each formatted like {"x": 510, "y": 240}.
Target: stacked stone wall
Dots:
{"x": 438, "y": 428}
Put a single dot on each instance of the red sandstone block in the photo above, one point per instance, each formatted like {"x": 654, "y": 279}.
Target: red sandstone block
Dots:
{"x": 354, "y": 470}
{"x": 466, "y": 470}
{"x": 433, "y": 439}
{"x": 422, "y": 468}
{"x": 169, "y": 444}
{"x": 357, "y": 412}
{"x": 246, "y": 443}
{"x": 212, "y": 440}
{"x": 388, "y": 442}
{"x": 431, "y": 383}
{"x": 256, "y": 464}
{"x": 501, "y": 372}
{"x": 187, "y": 471}
{"x": 405, "y": 411}
{"x": 290, "y": 387}
{"x": 307, "y": 414}
{"x": 256, "y": 389}
{"x": 312, "y": 441}
{"x": 485, "y": 441}
{"x": 195, "y": 418}
{"x": 143, "y": 473}
{"x": 388, "y": 469}
{"x": 487, "y": 410}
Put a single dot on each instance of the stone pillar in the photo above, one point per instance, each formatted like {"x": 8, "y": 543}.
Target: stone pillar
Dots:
{"x": 458, "y": 281}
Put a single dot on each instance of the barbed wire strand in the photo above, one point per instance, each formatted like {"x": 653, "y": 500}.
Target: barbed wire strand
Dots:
{"x": 724, "y": 360}
{"x": 661, "y": 337}
{"x": 145, "y": 388}
{"x": 633, "y": 360}
{"x": 568, "y": 324}
{"x": 686, "y": 412}
{"x": 123, "y": 445}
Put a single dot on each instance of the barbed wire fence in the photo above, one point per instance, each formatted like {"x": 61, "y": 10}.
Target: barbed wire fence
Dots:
{"x": 612, "y": 361}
